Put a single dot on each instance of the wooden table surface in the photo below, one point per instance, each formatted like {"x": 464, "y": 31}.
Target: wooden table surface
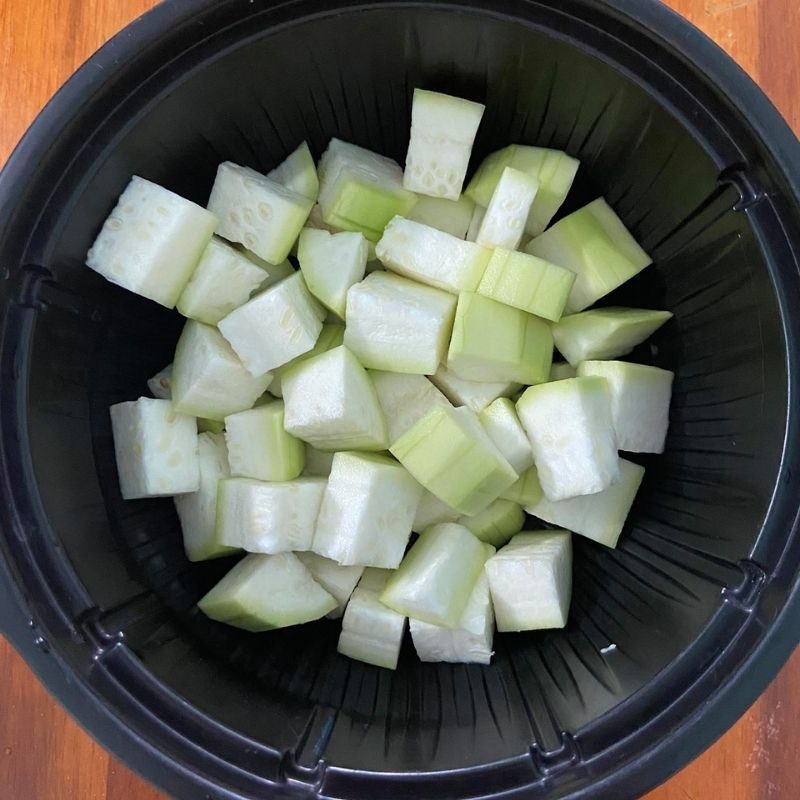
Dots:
{"x": 44, "y": 755}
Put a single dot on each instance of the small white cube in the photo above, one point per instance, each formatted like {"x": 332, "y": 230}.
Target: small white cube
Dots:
{"x": 330, "y": 402}
{"x": 265, "y": 517}
{"x": 198, "y": 511}
{"x": 572, "y": 436}
{"x": 531, "y": 581}
{"x": 367, "y": 511}
{"x": 469, "y": 642}
{"x": 640, "y": 398}
{"x": 476, "y": 395}
{"x": 156, "y": 449}
{"x": 208, "y": 379}
{"x": 336, "y": 579}
{"x": 505, "y": 218}
{"x": 599, "y": 516}
{"x": 259, "y": 446}
{"x": 152, "y": 242}
{"x": 331, "y": 264}
{"x": 274, "y": 327}
{"x": 371, "y": 632}
{"x": 224, "y": 279}
{"x": 443, "y": 131}
{"x": 405, "y": 399}
{"x": 397, "y": 325}
{"x": 500, "y": 421}
{"x": 257, "y": 212}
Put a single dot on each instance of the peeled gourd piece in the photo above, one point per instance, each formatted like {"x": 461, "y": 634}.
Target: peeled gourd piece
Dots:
{"x": 594, "y": 244}
{"x": 436, "y": 579}
{"x": 604, "y": 333}
{"x": 530, "y": 581}
{"x": 495, "y": 342}
{"x": 152, "y": 242}
{"x": 274, "y": 327}
{"x": 397, "y": 325}
{"x": 331, "y": 403}
{"x": 598, "y": 516}
{"x": 294, "y": 597}
{"x": 257, "y": 212}
{"x": 572, "y": 435}
{"x": 443, "y": 131}
{"x": 450, "y": 454}
{"x": 156, "y": 449}
{"x": 431, "y": 256}
{"x": 367, "y": 511}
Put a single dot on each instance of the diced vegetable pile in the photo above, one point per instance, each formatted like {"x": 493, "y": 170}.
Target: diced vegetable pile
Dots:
{"x": 401, "y": 380}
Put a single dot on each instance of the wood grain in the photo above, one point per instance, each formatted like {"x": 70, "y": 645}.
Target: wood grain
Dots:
{"x": 44, "y": 755}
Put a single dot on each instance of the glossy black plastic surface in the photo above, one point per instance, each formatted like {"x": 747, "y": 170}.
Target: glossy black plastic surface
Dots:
{"x": 670, "y": 636}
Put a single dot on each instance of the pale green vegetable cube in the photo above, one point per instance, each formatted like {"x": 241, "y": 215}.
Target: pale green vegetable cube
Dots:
{"x": 472, "y": 394}
{"x": 595, "y": 244}
{"x": 640, "y": 398}
{"x": 151, "y": 242}
{"x": 504, "y": 221}
{"x": 450, "y": 216}
{"x": 405, "y": 399}
{"x": 198, "y": 511}
{"x": 528, "y": 283}
{"x": 469, "y": 642}
{"x": 554, "y": 170}
{"x": 495, "y": 342}
{"x": 257, "y": 212}
{"x": 263, "y": 517}
{"x": 332, "y": 404}
{"x": 208, "y": 379}
{"x": 259, "y": 446}
{"x": 598, "y": 516}
{"x": 339, "y": 581}
{"x": 443, "y": 131}
{"x": 436, "y": 579}
{"x": 496, "y": 524}
{"x": 561, "y": 370}
{"x": 530, "y": 580}
{"x": 331, "y": 264}
{"x": 160, "y": 385}
{"x": 367, "y": 511}
{"x": 432, "y": 511}
{"x": 263, "y": 592}
{"x": 526, "y": 490}
{"x": 572, "y": 435}
{"x": 361, "y": 190}
{"x": 156, "y": 449}
{"x": 372, "y": 632}
{"x": 398, "y": 325}
{"x": 274, "y": 327}
{"x": 431, "y": 256}
{"x": 604, "y": 333}
{"x": 331, "y": 335}
{"x": 298, "y": 173}
{"x": 224, "y": 280}
{"x": 451, "y": 455}
{"x": 500, "y": 421}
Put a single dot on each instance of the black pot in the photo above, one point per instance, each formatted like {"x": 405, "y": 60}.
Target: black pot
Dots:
{"x": 700, "y": 600}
